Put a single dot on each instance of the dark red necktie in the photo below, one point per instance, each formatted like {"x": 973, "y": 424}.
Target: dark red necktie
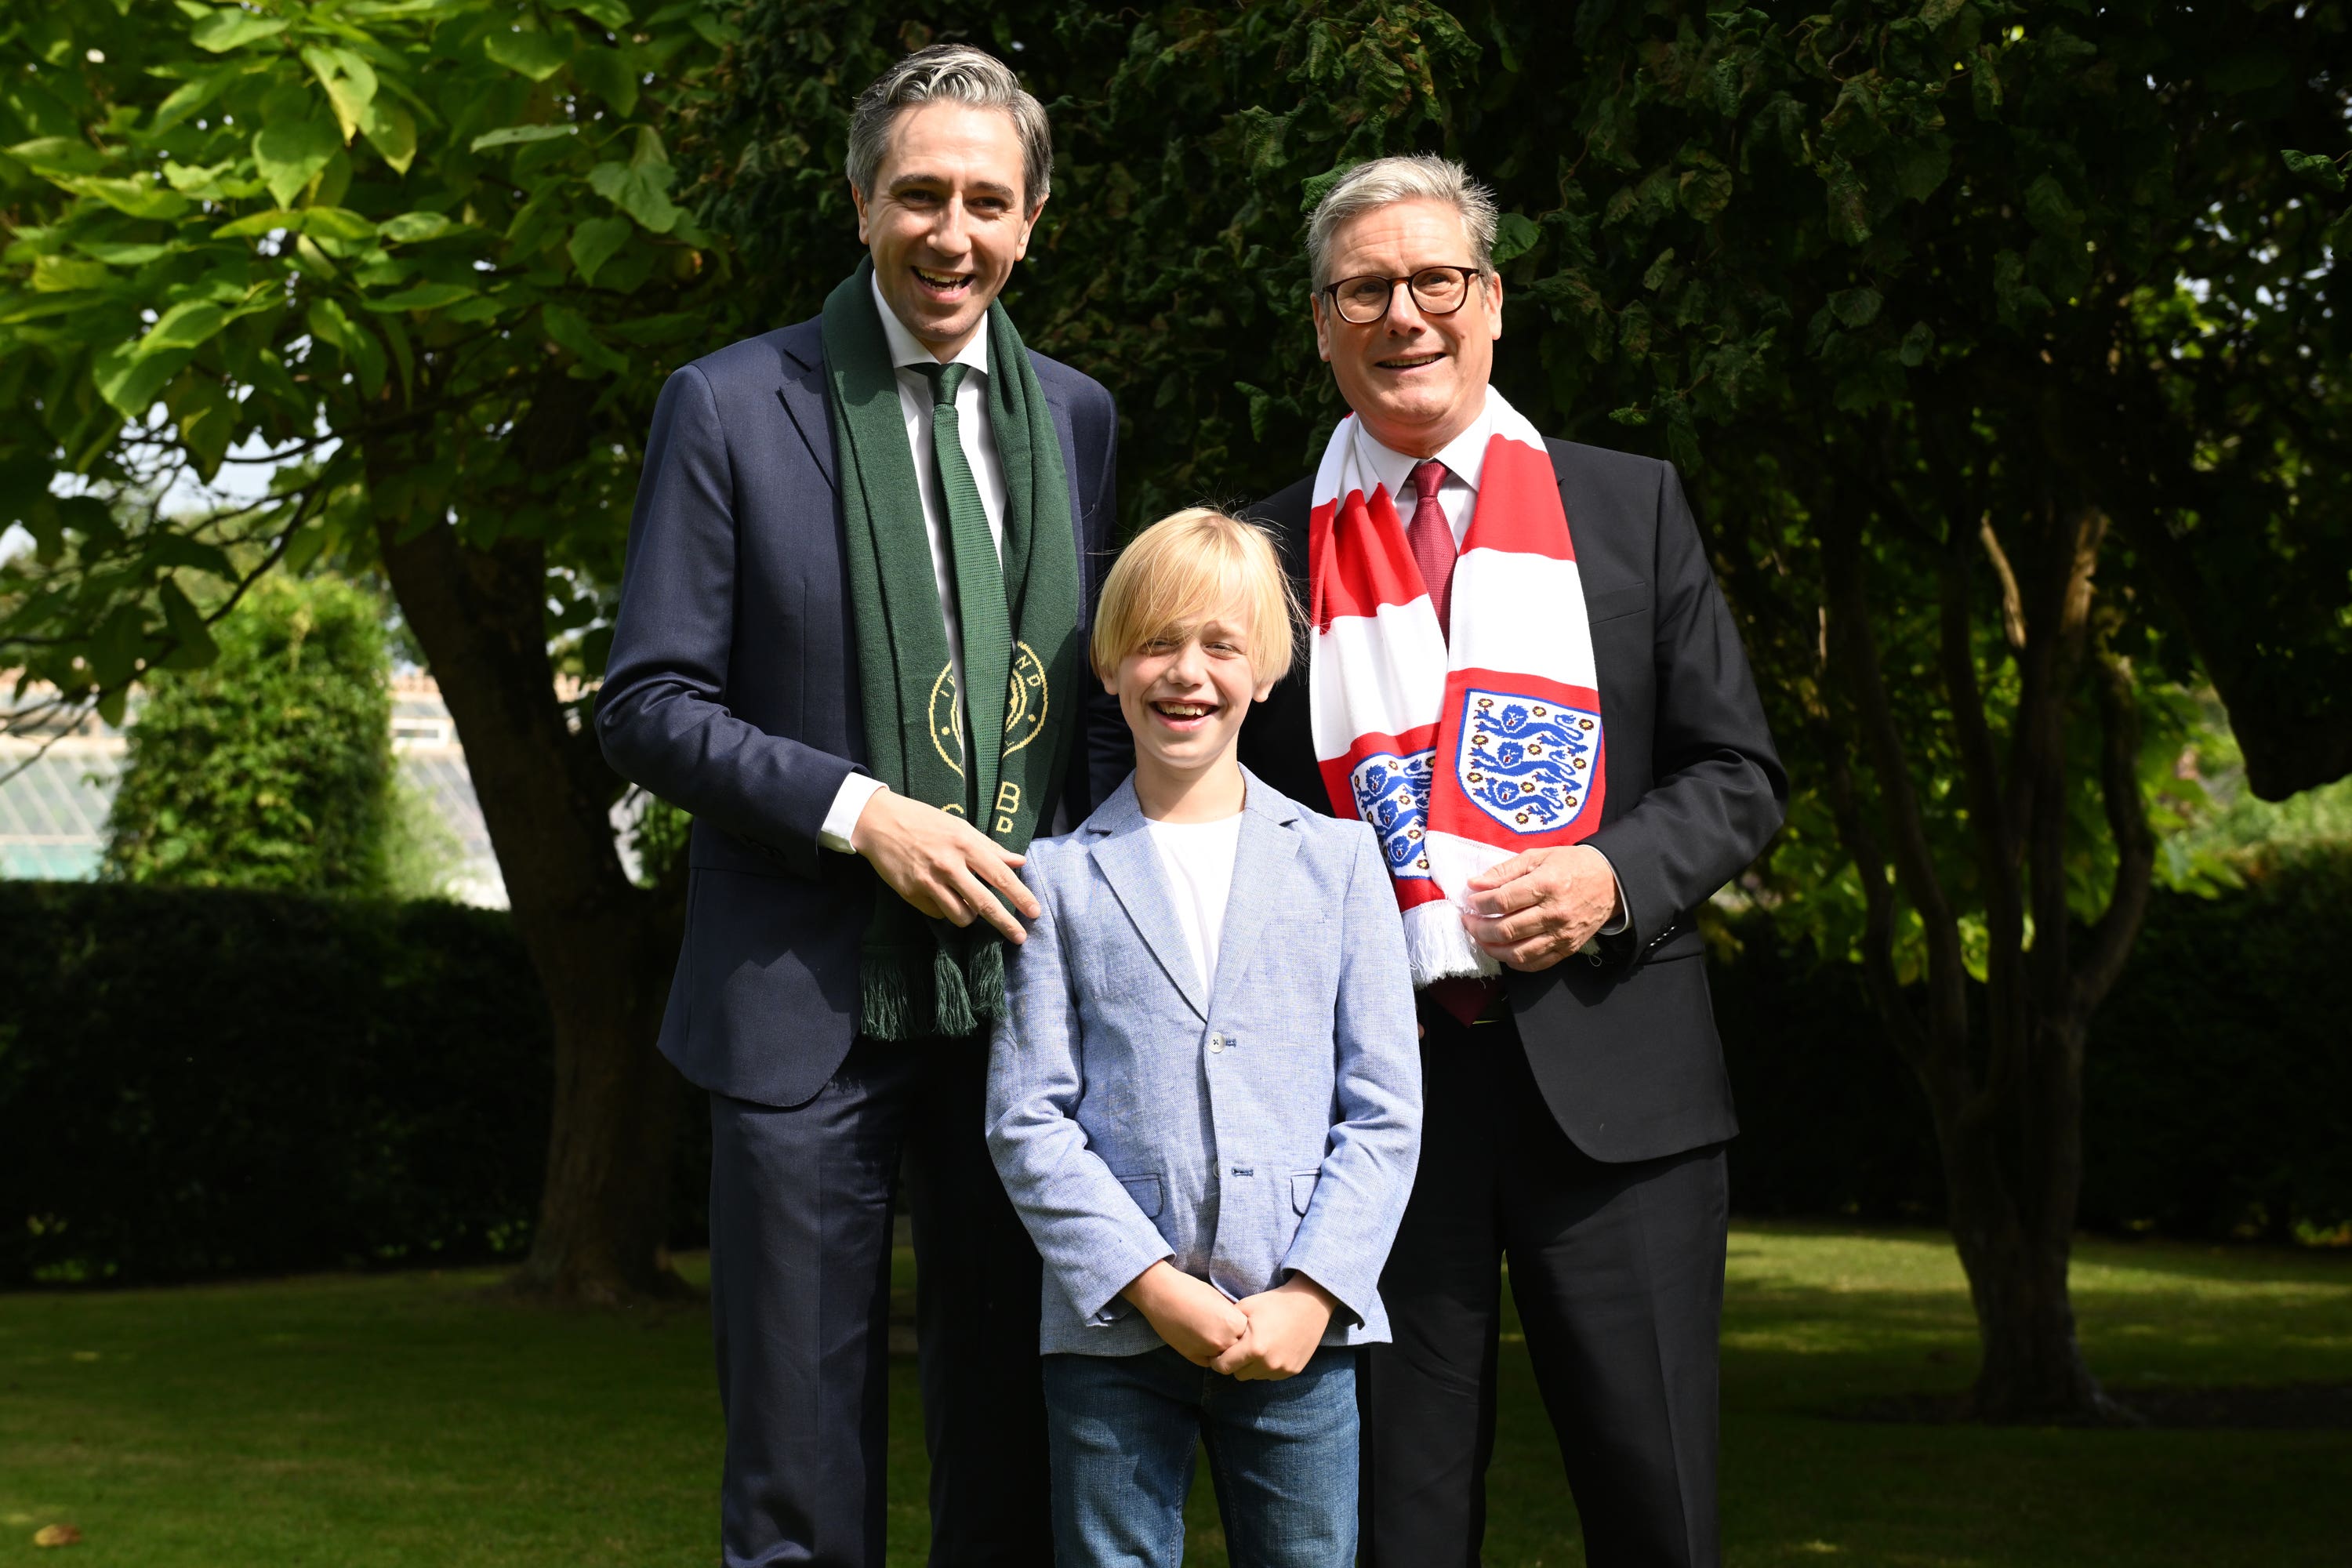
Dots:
{"x": 1431, "y": 539}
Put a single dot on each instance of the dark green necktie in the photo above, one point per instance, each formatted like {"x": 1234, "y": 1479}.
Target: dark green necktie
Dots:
{"x": 987, "y": 626}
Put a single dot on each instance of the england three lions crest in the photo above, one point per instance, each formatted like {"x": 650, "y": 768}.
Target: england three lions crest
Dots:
{"x": 1392, "y": 795}
{"x": 1526, "y": 762}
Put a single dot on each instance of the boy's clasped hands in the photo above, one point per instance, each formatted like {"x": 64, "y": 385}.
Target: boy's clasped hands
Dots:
{"x": 1262, "y": 1338}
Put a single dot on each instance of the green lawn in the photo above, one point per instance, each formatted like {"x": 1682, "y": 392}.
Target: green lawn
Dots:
{"x": 411, "y": 1419}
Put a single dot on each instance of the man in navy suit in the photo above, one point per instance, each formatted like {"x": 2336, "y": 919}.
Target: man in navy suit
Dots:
{"x": 734, "y": 690}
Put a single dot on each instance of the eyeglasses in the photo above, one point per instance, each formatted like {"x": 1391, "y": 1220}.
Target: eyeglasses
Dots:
{"x": 1437, "y": 291}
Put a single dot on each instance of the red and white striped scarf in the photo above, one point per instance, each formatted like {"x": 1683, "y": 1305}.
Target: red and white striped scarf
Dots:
{"x": 1459, "y": 756}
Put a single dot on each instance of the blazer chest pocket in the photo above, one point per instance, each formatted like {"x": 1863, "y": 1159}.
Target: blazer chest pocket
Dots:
{"x": 1302, "y": 1189}
{"x": 1617, "y": 603}
{"x": 1147, "y": 1193}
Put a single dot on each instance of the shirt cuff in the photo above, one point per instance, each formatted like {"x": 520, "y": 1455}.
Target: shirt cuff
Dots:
{"x": 1620, "y": 922}
{"x": 848, "y": 801}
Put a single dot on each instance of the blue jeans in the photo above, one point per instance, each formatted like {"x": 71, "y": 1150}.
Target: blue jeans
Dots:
{"x": 1281, "y": 1456}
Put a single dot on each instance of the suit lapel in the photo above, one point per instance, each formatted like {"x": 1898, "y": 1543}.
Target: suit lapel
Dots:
{"x": 802, "y": 391}
{"x": 1261, "y": 862}
{"x": 1131, "y": 865}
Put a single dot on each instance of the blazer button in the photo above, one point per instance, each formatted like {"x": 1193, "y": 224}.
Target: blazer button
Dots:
{"x": 1216, "y": 1044}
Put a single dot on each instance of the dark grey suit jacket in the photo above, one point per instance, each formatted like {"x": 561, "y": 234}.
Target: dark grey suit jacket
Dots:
{"x": 1623, "y": 1046}
{"x": 732, "y": 690}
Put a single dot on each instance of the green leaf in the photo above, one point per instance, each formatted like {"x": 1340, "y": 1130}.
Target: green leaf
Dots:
{"x": 134, "y": 198}
{"x": 187, "y": 628}
{"x": 253, "y": 224}
{"x": 535, "y": 55}
{"x": 336, "y": 222}
{"x": 641, "y": 190}
{"x": 611, "y": 75}
{"x": 1855, "y": 306}
{"x": 59, "y": 274}
{"x": 422, "y": 297}
{"x": 412, "y": 228}
{"x": 115, "y": 254}
{"x": 1936, "y": 13}
{"x": 290, "y": 152}
{"x": 72, "y": 155}
{"x": 1655, "y": 277}
{"x": 593, "y": 243}
{"x": 231, "y": 28}
{"x": 359, "y": 347}
{"x": 2047, "y": 208}
{"x": 1917, "y": 342}
{"x": 202, "y": 182}
{"x": 610, "y": 14}
{"x": 185, "y": 326}
{"x": 507, "y": 135}
{"x": 569, "y": 329}
{"x": 1849, "y": 205}
{"x": 129, "y": 380}
{"x": 1515, "y": 235}
{"x": 2314, "y": 166}
{"x": 350, "y": 83}
{"x": 391, "y": 130}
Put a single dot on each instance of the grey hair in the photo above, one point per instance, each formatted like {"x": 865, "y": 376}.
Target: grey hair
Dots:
{"x": 1424, "y": 176}
{"x": 956, "y": 73}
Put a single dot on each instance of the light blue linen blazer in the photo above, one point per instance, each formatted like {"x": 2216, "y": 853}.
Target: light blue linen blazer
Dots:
{"x": 1268, "y": 1128}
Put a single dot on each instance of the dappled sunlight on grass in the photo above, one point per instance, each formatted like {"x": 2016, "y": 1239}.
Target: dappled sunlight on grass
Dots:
{"x": 367, "y": 1421}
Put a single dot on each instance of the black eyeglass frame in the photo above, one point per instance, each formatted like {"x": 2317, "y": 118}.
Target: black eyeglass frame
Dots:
{"x": 1469, "y": 276}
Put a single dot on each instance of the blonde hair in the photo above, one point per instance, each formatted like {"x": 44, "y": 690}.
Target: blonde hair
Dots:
{"x": 1181, "y": 571}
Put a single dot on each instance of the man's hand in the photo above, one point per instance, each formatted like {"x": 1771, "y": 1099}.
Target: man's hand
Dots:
{"x": 941, "y": 864}
{"x": 1192, "y": 1315}
{"x": 1286, "y": 1326}
{"x": 1536, "y": 908}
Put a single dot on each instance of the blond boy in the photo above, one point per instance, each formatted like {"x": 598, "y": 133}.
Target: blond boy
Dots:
{"x": 1204, "y": 1095}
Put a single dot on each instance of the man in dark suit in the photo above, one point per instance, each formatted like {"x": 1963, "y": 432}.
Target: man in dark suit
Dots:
{"x": 1576, "y": 1127}
{"x": 821, "y": 506}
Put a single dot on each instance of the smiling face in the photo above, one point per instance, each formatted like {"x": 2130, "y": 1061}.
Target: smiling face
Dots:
{"x": 946, "y": 219}
{"x": 1184, "y": 694}
{"x": 1415, "y": 381}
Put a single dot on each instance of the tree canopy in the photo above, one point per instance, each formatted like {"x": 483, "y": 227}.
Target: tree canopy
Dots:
{"x": 406, "y": 248}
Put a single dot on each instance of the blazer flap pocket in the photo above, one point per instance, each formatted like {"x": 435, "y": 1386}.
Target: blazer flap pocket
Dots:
{"x": 1145, "y": 1192}
{"x": 1629, "y": 600}
{"x": 1302, "y": 1189}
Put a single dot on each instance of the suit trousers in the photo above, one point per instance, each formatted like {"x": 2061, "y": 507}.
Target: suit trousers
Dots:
{"x": 1617, "y": 1271}
{"x": 801, "y": 1200}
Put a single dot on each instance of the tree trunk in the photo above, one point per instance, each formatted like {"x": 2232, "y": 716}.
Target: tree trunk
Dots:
{"x": 2006, "y": 1091}
{"x": 2016, "y": 1261}
{"x": 602, "y": 948}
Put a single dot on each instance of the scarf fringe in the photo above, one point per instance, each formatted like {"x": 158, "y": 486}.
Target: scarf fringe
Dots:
{"x": 1439, "y": 949}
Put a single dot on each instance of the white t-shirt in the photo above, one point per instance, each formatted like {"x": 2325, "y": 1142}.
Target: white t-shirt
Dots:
{"x": 1198, "y": 857}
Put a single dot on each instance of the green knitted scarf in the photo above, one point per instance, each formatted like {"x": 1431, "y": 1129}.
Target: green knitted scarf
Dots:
{"x": 918, "y": 976}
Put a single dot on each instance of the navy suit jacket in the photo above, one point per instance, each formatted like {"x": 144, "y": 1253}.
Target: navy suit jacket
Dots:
{"x": 1623, "y": 1044}
{"x": 732, "y": 690}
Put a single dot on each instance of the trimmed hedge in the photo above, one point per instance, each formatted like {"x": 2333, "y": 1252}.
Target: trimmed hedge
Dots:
{"x": 208, "y": 1081}
{"x": 202, "y": 1082}
{"x": 2218, "y": 1082}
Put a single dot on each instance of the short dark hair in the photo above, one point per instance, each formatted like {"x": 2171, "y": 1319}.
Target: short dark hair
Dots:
{"x": 957, "y": 73}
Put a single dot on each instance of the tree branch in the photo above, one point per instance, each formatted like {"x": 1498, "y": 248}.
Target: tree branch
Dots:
{"x": 2109, "y": 942}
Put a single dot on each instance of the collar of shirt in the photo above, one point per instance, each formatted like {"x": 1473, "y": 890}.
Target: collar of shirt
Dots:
{"x": 906, "y": 349}
{"x": 1464, "y": 457}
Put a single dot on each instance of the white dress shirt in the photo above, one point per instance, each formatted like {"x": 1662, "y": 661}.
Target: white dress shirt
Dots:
{"x": 1464, "y": 457}
{"x": 908, "y": 353}
{"x": 1197, "y": 858}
